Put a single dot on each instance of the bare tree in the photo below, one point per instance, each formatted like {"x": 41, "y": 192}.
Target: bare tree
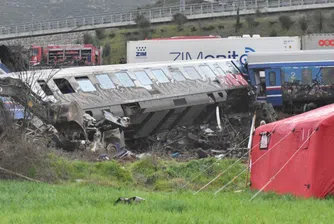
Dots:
{"x": 318, "y": 21}
{"x": 303, "y": 23}
{"x": 238, "y": 24}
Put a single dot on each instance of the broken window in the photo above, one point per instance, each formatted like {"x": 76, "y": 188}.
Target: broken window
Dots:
{"x": 225, "y": 68}
{"x": 327, "y": 75}
{"x": 231, "y": 68}
{"x": 143, "y": 78}
{"x": 85, "y": 84}
{"x": 207, "y": 71}
{"x": 160, "y": 75}
{"x": 264, "y": 141}
{"x": 177, "y": 74}
{"x": 64, "y": 86}
{"x": 124, "y": 78}
{"x": 307, "y": 76}
{"x": 105, "y": 81}
{"x": 192, "y": 72}
{"x": 45, "y": 87}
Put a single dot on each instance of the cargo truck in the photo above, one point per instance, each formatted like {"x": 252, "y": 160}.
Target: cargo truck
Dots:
{"x": 206, "y": 47}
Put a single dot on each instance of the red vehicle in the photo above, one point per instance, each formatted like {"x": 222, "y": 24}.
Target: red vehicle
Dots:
{"x": 71, "y": 55}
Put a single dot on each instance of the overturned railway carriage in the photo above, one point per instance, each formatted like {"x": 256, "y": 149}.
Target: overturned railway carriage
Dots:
{"x": 155, "y": 96}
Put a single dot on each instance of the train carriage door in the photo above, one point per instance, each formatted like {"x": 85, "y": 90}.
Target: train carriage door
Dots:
{"x": 274, "y": 87}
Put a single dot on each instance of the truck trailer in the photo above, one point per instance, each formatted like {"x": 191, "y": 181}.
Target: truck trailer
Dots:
{"x": 206, "y": 47}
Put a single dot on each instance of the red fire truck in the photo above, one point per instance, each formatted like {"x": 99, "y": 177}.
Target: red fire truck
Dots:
{"x": 65, "y": 55}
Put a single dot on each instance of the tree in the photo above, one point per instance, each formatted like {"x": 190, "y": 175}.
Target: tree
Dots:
{"x": 238, "y": 24}
{"x": 179, "y": 19}
{"x": 319, "y": 21}
{"x": 258, "y": 13}
{"x": 100, "y": 34}
{"x": 143, "y": 24}
{"x": 251, "y": 23}
{"x": 303, "y": 23}
{"x": 286, "y": 22}
{"x": 88, "y": 39}
{"x": 106, "y": 53}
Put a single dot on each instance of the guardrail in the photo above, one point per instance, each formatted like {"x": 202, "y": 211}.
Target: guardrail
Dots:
{"x": 157, "y": 15}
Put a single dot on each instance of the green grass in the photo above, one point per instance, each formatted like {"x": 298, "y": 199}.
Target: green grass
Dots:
{"x": 151, "y": 173}
{"x": 23, "y": 202}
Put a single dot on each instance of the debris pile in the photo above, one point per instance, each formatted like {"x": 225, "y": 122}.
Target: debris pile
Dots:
{"x": 205, "y": 140}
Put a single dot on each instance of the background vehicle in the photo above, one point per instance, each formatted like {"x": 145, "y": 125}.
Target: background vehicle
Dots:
{"x": 71, "y": 55}
{"x": 206, "y": 47}
{"x": 319, "y": 41}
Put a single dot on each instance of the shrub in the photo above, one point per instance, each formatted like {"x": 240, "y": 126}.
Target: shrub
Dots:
{"x": 179, "y": 19}
{"x": 142, "y": 22}
{"x": 106, "y": 50}
{"x": 286, "y": 22}
{"x": 273, "y": 33}
{"x": 88, "y": 39}
{"x": 100, "y": 34}
{"x": 193, "y": 29}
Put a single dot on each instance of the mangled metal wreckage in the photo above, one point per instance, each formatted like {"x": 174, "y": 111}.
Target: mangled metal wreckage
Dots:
{"x": 106, "y": 105}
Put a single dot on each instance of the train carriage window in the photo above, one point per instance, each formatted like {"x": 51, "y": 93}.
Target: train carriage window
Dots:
{"x": 105, "y": 81}
{"x": 207, "y": 71}
{"x": 327, "y": 75}
{"x": 160, "y": 75}
{"x": 272, "y": 78}
{"x": 307, "y": 76}
{"x": 64, "y": 86}
{"x": 192, "y": 72}
{"x": 85, "y": 84}
{"x": 44, "y": 86}
{"x": 143, "y": 78}
{"x": 124, "y": 78}
{"x": 219, "y": 69}
{"x": 231, "y": 68}
{"x": 226, "y": 68}
{"x": 177, "y": 74}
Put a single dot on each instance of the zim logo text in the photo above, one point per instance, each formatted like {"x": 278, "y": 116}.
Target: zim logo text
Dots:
{"x": 141, "y": 52}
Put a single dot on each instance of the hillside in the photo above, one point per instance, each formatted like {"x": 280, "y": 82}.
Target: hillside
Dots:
{"x": 292, "y": 24}
{"x": 18, "y": 11}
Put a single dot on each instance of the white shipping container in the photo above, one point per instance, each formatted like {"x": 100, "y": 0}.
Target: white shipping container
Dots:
{"x": 206, "y": 48}
{"x": 318, "y": 41}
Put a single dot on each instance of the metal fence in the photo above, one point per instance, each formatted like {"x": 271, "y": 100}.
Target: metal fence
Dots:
{"x": 162, "y": 14}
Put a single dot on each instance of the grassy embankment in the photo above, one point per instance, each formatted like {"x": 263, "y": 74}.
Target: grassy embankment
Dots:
{"x": 263, "y": 24}
{"x": 149, "y": 174}
{"x": 80, "y": 203}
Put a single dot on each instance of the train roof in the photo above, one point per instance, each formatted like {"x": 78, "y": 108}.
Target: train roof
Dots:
{"x": 260, "y": 58}
{"x": 107, "y": 68}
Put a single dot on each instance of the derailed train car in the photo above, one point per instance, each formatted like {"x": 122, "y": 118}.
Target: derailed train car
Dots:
{"x": 154, "y": 96}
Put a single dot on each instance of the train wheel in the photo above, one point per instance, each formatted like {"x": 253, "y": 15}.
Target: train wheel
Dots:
{"x": 267, "y": 113}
